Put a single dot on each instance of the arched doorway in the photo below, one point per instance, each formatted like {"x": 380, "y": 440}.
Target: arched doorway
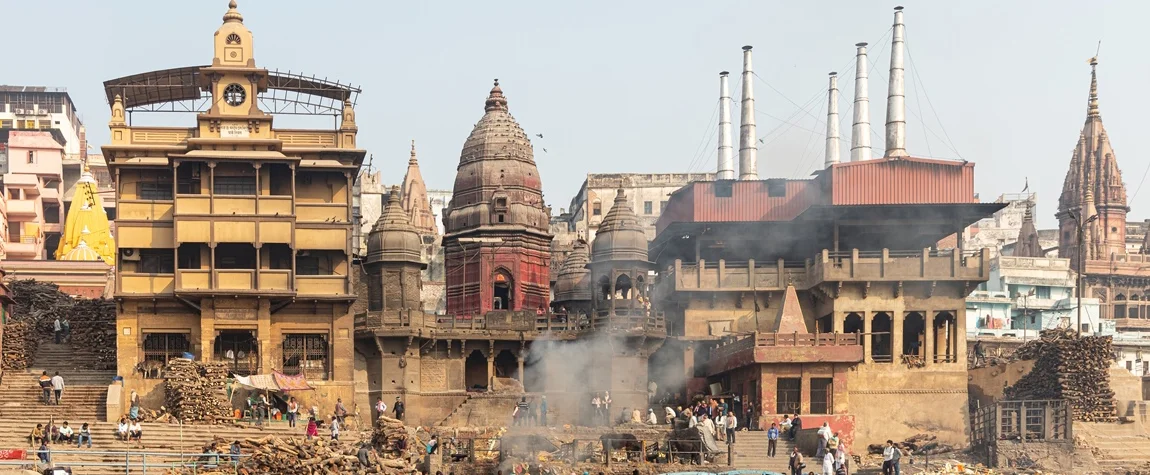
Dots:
{"x": 506, "y": 365}
{"x": 475, "y": 371}
{"x": 945, "y": 338}
{"x": 502, "y": 288}
{"x": 623, "y": 287}
{"x": 853, "y": 323}
{"x": 913, "y": 333}
{"x": 604, "y": 286}
{"x": 880, "y": 343}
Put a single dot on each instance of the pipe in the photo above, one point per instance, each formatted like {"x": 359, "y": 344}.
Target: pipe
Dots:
{"x": 726, "y": 170}
{"x": 860, "y": 128}
{"x": 748, "y": 147}
{"x": 896, "y": 94}
{"x": 832, "y": 156}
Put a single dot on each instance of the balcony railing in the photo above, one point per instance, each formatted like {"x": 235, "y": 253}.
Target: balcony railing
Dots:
{"x": 141, "y": 283}
{"x": 193, "y": 204}
{"x": 145, "y": 210}
{"x": 321, "y": 212}
{"x": 275, "y": 205}
{"x": 22, "y": 207}
{"x": 272, "y": 280}
{"x": 321, "y": 285}
{"x": 275, "y": 279}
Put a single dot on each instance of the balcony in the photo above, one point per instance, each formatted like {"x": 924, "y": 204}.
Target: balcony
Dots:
{"x": 193, "y": 204}
{"x": 235, "y": 279}
{"x": 751, "y": 348}
{"x": 26, "y": 248}
{"x": 742, "y": 276}
{"x": 275, "y": 205}
{"x": 886, "y": 265}
{"x": 161, "y": 135}
{"x": 145, "y": 210}
{"x": 322, "y": 285}
{"x": 50, "y": 195}
{"x": 321, "y": 212}
{"x": 193, "y": 279}
{"x": 138, "y": 283}
{"x": 307, "y": 138}
{"x": 18, "y": 208}
{"x": 227, "y": 205}
{"x": 276, "y": 281}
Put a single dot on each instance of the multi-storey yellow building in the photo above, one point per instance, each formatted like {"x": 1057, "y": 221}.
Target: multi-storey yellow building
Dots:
{"x": 234, "y": 235}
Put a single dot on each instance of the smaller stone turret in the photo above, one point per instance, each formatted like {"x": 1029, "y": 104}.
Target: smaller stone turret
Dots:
{"x": 393, "y": 261}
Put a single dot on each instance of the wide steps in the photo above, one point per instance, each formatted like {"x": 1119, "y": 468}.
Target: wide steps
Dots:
{"x": 750, "y": 452}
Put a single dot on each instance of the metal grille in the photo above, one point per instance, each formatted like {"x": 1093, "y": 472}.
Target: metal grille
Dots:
{"x": 234, "y": 185}
{"x": 790, "y": 395}
{"x": 238, "y": 349}
{"x": 822, "y": 395}
{"x": 161, "y": 347}
{"x": 307, "y": 355}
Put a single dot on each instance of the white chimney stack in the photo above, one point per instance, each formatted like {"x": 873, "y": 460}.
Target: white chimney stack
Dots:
{"x": 896, "y": 98}
{"x": 726, "y": 170}
{"x": 748, "y": 145}
{"x": 832, "y": 122}
{"x": 860, "y": 129}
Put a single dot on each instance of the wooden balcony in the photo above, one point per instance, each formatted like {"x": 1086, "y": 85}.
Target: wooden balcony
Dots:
{"x": 146, "y": 284}
{"x": 145, "y": 210}
{"x": 752, "y": 348}
{"x": 193, "y": 204}
{"x": 322, "y": 285}
{"x": 235, "y": 279}
{"x": 274, "y": 205}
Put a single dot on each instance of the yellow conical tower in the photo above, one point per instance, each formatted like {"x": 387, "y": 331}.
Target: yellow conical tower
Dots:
{"x": 87, "y": 235}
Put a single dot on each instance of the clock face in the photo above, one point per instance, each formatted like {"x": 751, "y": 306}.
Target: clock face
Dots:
{"x": 235, "y": 95}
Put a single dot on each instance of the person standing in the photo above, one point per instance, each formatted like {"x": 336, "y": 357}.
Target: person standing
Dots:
{"x": 829, "y": 463}
{"x": 732, "y": 424}
{"x": 58, "y": 386}
{"x": 46, "y": 387}
{"x": 380, "y": 407}
{"x": 340, "y": 411}
{"x": 520, "y": 415}
{"x": 134, "y": 405}
{"x": 235, "y": 451}
{"x": 606, "y": 406}
{"x": 772, "y": 439}
{"x": 543, "y": 411}
{"x": 888, "y": 458}
{"x": 334, "y": 427}
{"x": 796, "y": 463}
{"x": 58, "y": 330}
{"x": 292, "y": 411}
{"x": 399, "y": 408}
{"x": 312, "y": 428}
{"x": 597, "y": 403}
{"x": 896, "y": 457}
{"x": 67, "y": 328}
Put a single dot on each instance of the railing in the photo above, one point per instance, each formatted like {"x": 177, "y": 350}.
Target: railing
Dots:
{"x": 321, "y": 212}
{"x": 275, "y": 205}
{"x": 140, "y": 283}
{"x": 275, "y": 279}
{"x": 1026, "y": 421}
{"x": 731, "y": 345}
{"x": 235, "y": 279}
{"x": 193, "y": 204}
{"x": 306, "y": 138}
{"x": 856, "y": 265}
{"x": 132, "y": 462}
{"x": 321, "y": 284}
{"x": 145, "y": 210}
{"x": 193, "y": 279}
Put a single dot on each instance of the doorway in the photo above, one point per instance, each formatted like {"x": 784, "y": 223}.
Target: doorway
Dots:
{"x": 502, "y": 291}
{"x": 239, "y": 350}
{"x": 475, "y": 371}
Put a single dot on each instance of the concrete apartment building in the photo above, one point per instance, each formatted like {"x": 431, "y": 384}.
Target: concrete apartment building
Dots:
{"x": 32, "y": 189}
{"x": 235, "y": 236}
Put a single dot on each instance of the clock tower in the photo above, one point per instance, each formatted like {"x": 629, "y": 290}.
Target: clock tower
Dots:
{"x": 234, "y": 81}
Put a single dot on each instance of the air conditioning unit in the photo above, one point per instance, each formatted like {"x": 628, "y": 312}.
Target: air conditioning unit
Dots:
{"x": 19, "y": 111}
{"x": 43, "y": 112}
{"x": 130, "y": 254}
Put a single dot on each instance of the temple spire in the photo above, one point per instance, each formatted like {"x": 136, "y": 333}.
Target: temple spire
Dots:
{"x": 1092, "y": 107}
{"x": 414, "y": 198}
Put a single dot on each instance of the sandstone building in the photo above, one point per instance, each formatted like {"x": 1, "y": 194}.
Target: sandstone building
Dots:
{"x": 235, "y": 236}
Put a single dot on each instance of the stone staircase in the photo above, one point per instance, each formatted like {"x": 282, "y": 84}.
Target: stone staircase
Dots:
{"x": 750, "y": 452}
{"x": 488, "y": 410}
{"x": 85, "y": 391}
{"x": 1117, "y": 447}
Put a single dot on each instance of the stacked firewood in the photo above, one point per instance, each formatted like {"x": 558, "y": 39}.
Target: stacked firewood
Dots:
{"x": 194, "y": 391}
{"x": 391, "y": 437}
{"x": 1069, "y": 367}
{"x": 295, "y": 456}
{"x": 36, "y": 308}
{"x": 93, "y": 330}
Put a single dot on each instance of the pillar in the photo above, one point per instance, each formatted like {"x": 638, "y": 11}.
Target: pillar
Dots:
{"x": 897, "y": 318}
{"x": 520, "y": 360}
{"x": 960, "y": 334}
{"x": 837, "y": 319}
{"x": 204, "y": 348}
{"x": 928, "y": 342}
{"x": 490, "y": 371}
{"x": 867, "y": 337}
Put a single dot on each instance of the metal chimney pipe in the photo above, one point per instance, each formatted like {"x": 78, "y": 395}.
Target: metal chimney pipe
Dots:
{"x": 860, "y": 129}
{"x": 748, "y": 145}
{"x": 896, "y": 98}
{"x": 726, "y": 170}
{"x": 832, "y": 122}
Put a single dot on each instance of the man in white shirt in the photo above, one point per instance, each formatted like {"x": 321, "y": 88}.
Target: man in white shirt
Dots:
{"x": 707, "y": 424}
{"x": 732, "y": 423}
{"x": 64, "y": 434}
{"x": 692, "y": 421}
{"x": 888, "y": 458}
{"x": 669, "y": 414}
{"x": 58, "y": 330}
{"x": 652, "y": 419}
{"x": 58, "y": 386}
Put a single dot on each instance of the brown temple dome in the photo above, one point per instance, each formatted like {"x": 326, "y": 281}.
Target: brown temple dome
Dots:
{"x": 620, "y": 236}
{"x": 393, "y": 238}
{"x": 497, "y": 183}
{"x": 574, "y": 280}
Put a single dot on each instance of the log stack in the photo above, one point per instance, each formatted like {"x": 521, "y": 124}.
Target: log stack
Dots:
{"x": 37, "y": 304}
{"x": 294, "y": 456}
{"x": 1069, "y": 367}
{"x": 195, "y": 391}
{"x": 93, "y": 325}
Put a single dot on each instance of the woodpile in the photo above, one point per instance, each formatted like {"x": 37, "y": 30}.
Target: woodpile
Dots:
{"x": 195, "y": 391}
{"x": 93, "y": 326}
{"x": 1069, "y": 367}
{"x": 38, "y": 304}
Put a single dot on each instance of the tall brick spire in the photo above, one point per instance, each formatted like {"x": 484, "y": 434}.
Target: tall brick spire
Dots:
{"x": 414, "y": 198}
{"x": 1093, "y": 181}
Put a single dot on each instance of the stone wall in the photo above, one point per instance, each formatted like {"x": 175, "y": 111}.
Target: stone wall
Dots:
{"x": 988, "y": 383}
{"x": 892, "y": 402}
{"x": 1053, "y": 457}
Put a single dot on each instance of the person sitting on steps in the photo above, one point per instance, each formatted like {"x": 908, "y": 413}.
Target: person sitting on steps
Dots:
{"x": 85, "y": 434}
{"x": 122, "y": 429}
{"x": 64, "y": 434}
{"x": 37, "y": 435}
{"x": 136, "y": 432}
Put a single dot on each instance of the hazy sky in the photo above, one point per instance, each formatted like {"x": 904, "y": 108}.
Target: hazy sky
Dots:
{"x": 633, "y": 86}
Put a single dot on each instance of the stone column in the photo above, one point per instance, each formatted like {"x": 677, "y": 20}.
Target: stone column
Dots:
{"x": 837, "y": 321}
{"x": 490, "y": 371}
{"x": 897, "y": 318}
{"x": 206, "y": 345}
{"x": 928, "y": 342}
{"x": 960, "y": 334}
{"x": 267, "y": 341}
{"x": 867, "y": 337}
{"x": 521, "y": 379}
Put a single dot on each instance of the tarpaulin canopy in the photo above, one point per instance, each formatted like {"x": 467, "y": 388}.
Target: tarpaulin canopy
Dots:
{"x": 290, "y": 383}
{"x": 263, "y": 382}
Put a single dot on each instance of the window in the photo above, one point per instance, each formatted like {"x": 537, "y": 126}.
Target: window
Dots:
{"x": 305, "y": 354}
{"x": 234, "y": 185}
{"x": 154, "y": 191}
{"x": 596, "y": 209}
{"x": 724, "y": 189}
{"x": 157, "y": 261}
{"x": 374, "y": 291}
{"x": 307, "y": 265}
{"x": 1042, "y": 292}
{"x": 822, "y": 395}
{"x": 662, "y": 206}
{"x": 500, "y": 218}
{"x": 648, "y": 207}
{"x": 776, "y": 188}
{"x": 31, "y": 156}
{"x": 159, "y": 348}
{"x": 233, "y": 39}
{"x": 790, "y": 395}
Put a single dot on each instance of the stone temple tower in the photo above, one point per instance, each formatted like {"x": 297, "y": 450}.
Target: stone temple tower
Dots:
{"x": 497, "y": 241}
{"x": 1093, "y": 185}
{"x": 393, "y": 265}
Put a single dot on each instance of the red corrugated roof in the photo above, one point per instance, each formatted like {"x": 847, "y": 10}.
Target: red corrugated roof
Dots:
{"x": 902, "y": 181}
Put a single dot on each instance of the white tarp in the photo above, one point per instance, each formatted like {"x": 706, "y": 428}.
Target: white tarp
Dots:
{"x": 263, "y": 382}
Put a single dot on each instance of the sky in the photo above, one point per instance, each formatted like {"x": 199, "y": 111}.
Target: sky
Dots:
{"x": 618, "y": 87}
